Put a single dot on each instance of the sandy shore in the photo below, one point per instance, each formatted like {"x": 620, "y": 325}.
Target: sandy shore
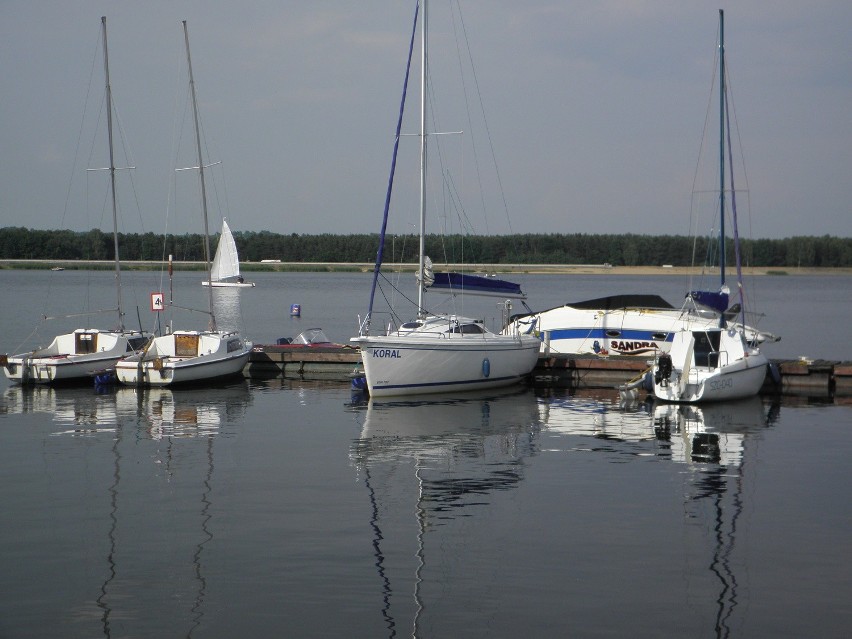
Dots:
{"x": 580, "y": 269}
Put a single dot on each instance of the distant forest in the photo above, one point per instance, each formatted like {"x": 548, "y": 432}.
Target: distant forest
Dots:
{"x": 617, "y": 250}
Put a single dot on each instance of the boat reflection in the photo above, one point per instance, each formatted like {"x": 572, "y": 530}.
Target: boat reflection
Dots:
{"x": 712, "y": 440}
{"x": 162, "y": 412}
{"x": 428, "y": 461}
{"x": 188, "y": 421}
{"x": 185, "y": 412}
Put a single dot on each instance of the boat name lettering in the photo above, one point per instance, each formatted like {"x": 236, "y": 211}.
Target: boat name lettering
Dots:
{"x": 632, "y": 347}
{"x": 719, "y": 384}
{"x": 386, "y": 352}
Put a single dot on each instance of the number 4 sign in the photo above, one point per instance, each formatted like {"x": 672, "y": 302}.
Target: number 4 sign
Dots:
{"x": 156, "y": 302}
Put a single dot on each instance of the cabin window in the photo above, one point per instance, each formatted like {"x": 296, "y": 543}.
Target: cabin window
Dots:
{"x": 613, "y": 333}
{"x": 466, "y": 329}
{"x": 234, "y": 344}
{"x": 411, "y": 325}
{"x": 85, "y": 343}
{"x": 186, "y": 345}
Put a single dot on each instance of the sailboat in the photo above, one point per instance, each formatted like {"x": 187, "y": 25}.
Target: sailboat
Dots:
{"x": 84, "y": 352}
{"x": 225, "y": 271}
{"x": 438, "y": 353}
{"x": 714, "y": 363}
{"x": 186, "y": 356}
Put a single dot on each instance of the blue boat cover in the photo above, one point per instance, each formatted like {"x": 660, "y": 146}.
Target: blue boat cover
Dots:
{"x": 718, "y": 301}
{"x": 476, "y": 285}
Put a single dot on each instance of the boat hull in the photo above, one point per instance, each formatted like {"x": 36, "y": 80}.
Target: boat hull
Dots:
{"x": 406, "y": 365}
{"x": 66, "y": 359}
{"x": 736, "y": 381}
{"x": 637, "y": 332}
{"x": 185, "y": 357}
{"x": 709, "y": 366}
{"x": 229, "y": 284}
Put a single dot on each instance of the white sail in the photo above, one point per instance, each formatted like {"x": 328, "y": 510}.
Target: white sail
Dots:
{"x": 226, "y": 264}
{"x": 225, "y": 270}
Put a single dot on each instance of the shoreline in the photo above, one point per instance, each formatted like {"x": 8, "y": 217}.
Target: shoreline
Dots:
{"x": 537, "y": 269}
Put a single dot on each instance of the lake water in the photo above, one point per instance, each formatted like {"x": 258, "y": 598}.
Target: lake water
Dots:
{"x": 288, "y": 508}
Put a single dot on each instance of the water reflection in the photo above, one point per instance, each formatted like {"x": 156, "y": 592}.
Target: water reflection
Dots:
{"x": 427, "y": 461}
{"x": 226, "y": 301}
{"x": 160, "y": 412}
{"x": 157, "y": 497}
{"x": 712, "y": 440}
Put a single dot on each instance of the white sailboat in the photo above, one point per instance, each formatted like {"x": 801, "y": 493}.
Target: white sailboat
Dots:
{"x": 439, "y": 353}
{"x": 713, "y": 363}
{"x": 225, "y": 271}
{"x": 186, "y": 356}
{"x": 84, "y": 352}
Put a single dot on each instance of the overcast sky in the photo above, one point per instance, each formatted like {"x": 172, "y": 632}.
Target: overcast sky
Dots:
{"x": 595, "y": 109}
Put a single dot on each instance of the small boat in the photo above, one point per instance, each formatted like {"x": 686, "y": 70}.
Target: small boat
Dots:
{"x": 79, "y": 355}
{"x": 309, "y": 338}
{"x": 713, "y": 364}
{"x": 188, "y": 356}
{"x": 439, "y": 353}
{"x": 57, "y": 268}
{"x": 225, "y": 271}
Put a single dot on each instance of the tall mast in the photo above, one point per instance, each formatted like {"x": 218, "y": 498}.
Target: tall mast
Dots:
{"x": 112, "y": 177}
{"x": 423, "y": 69}
{"x": 212, "y": 324}
{"x": 722, "y": 90}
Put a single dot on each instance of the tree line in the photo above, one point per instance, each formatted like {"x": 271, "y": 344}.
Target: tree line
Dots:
{"x": 556, "y": 248}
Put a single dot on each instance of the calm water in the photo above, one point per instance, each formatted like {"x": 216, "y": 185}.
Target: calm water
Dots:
{"x": 280, "y": 508}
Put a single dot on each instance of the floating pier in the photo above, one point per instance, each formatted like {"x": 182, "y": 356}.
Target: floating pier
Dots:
{"x": 799, "y": 377}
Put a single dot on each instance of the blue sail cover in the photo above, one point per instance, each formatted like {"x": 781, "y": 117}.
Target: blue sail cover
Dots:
{"x": 718, "y": 301}
{"x": 457, "y": 283}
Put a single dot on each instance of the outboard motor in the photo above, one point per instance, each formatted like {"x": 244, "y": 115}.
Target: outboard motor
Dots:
{"x": 664, "y": 370}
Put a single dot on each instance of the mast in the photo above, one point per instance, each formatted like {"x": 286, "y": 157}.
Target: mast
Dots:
{"x": 212, "y": 324}
{"x": 722, "y": 90}
{"x": 421, "y": 288}
{"x": 365, "y": 328}
{"x": 112, "y": 177}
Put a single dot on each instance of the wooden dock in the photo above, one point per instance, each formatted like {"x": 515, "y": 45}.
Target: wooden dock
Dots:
{"x": 804, "y": 378}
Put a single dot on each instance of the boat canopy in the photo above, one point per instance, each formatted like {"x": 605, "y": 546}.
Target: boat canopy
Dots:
{"x": 462, "y": 283}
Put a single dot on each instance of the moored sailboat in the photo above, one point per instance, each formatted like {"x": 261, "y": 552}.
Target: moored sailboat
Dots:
{"x": 714, "y": 363}
{"x": 438, "y": 353}
{"x": 84, "y": 352}
{"x": 185, "y": 356}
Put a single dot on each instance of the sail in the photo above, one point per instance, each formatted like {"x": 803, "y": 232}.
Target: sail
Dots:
{"x": 226, "y": 263}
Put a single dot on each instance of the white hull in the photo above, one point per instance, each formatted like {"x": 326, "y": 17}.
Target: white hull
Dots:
{"x": 73, "y": 356}
{"x": 436, "y": 361}
{"x": 727, "y": 370}
{"x": 229, "y": 284}
{"x": 184, "y": 357}
{"x": 633, "y": 331}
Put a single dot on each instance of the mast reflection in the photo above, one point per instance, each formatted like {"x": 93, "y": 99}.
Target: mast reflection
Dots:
{"x": 448, "y": 456}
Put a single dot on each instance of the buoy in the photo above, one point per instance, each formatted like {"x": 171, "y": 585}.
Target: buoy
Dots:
{"x": 295, "y": 310}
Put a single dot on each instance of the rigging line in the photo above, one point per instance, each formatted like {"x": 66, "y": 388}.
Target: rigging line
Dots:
{"x": 485, "y": 121}
{"x": 477, "y": 171}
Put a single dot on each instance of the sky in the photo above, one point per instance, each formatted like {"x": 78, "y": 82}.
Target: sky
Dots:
{"x": 595, "y": 112}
